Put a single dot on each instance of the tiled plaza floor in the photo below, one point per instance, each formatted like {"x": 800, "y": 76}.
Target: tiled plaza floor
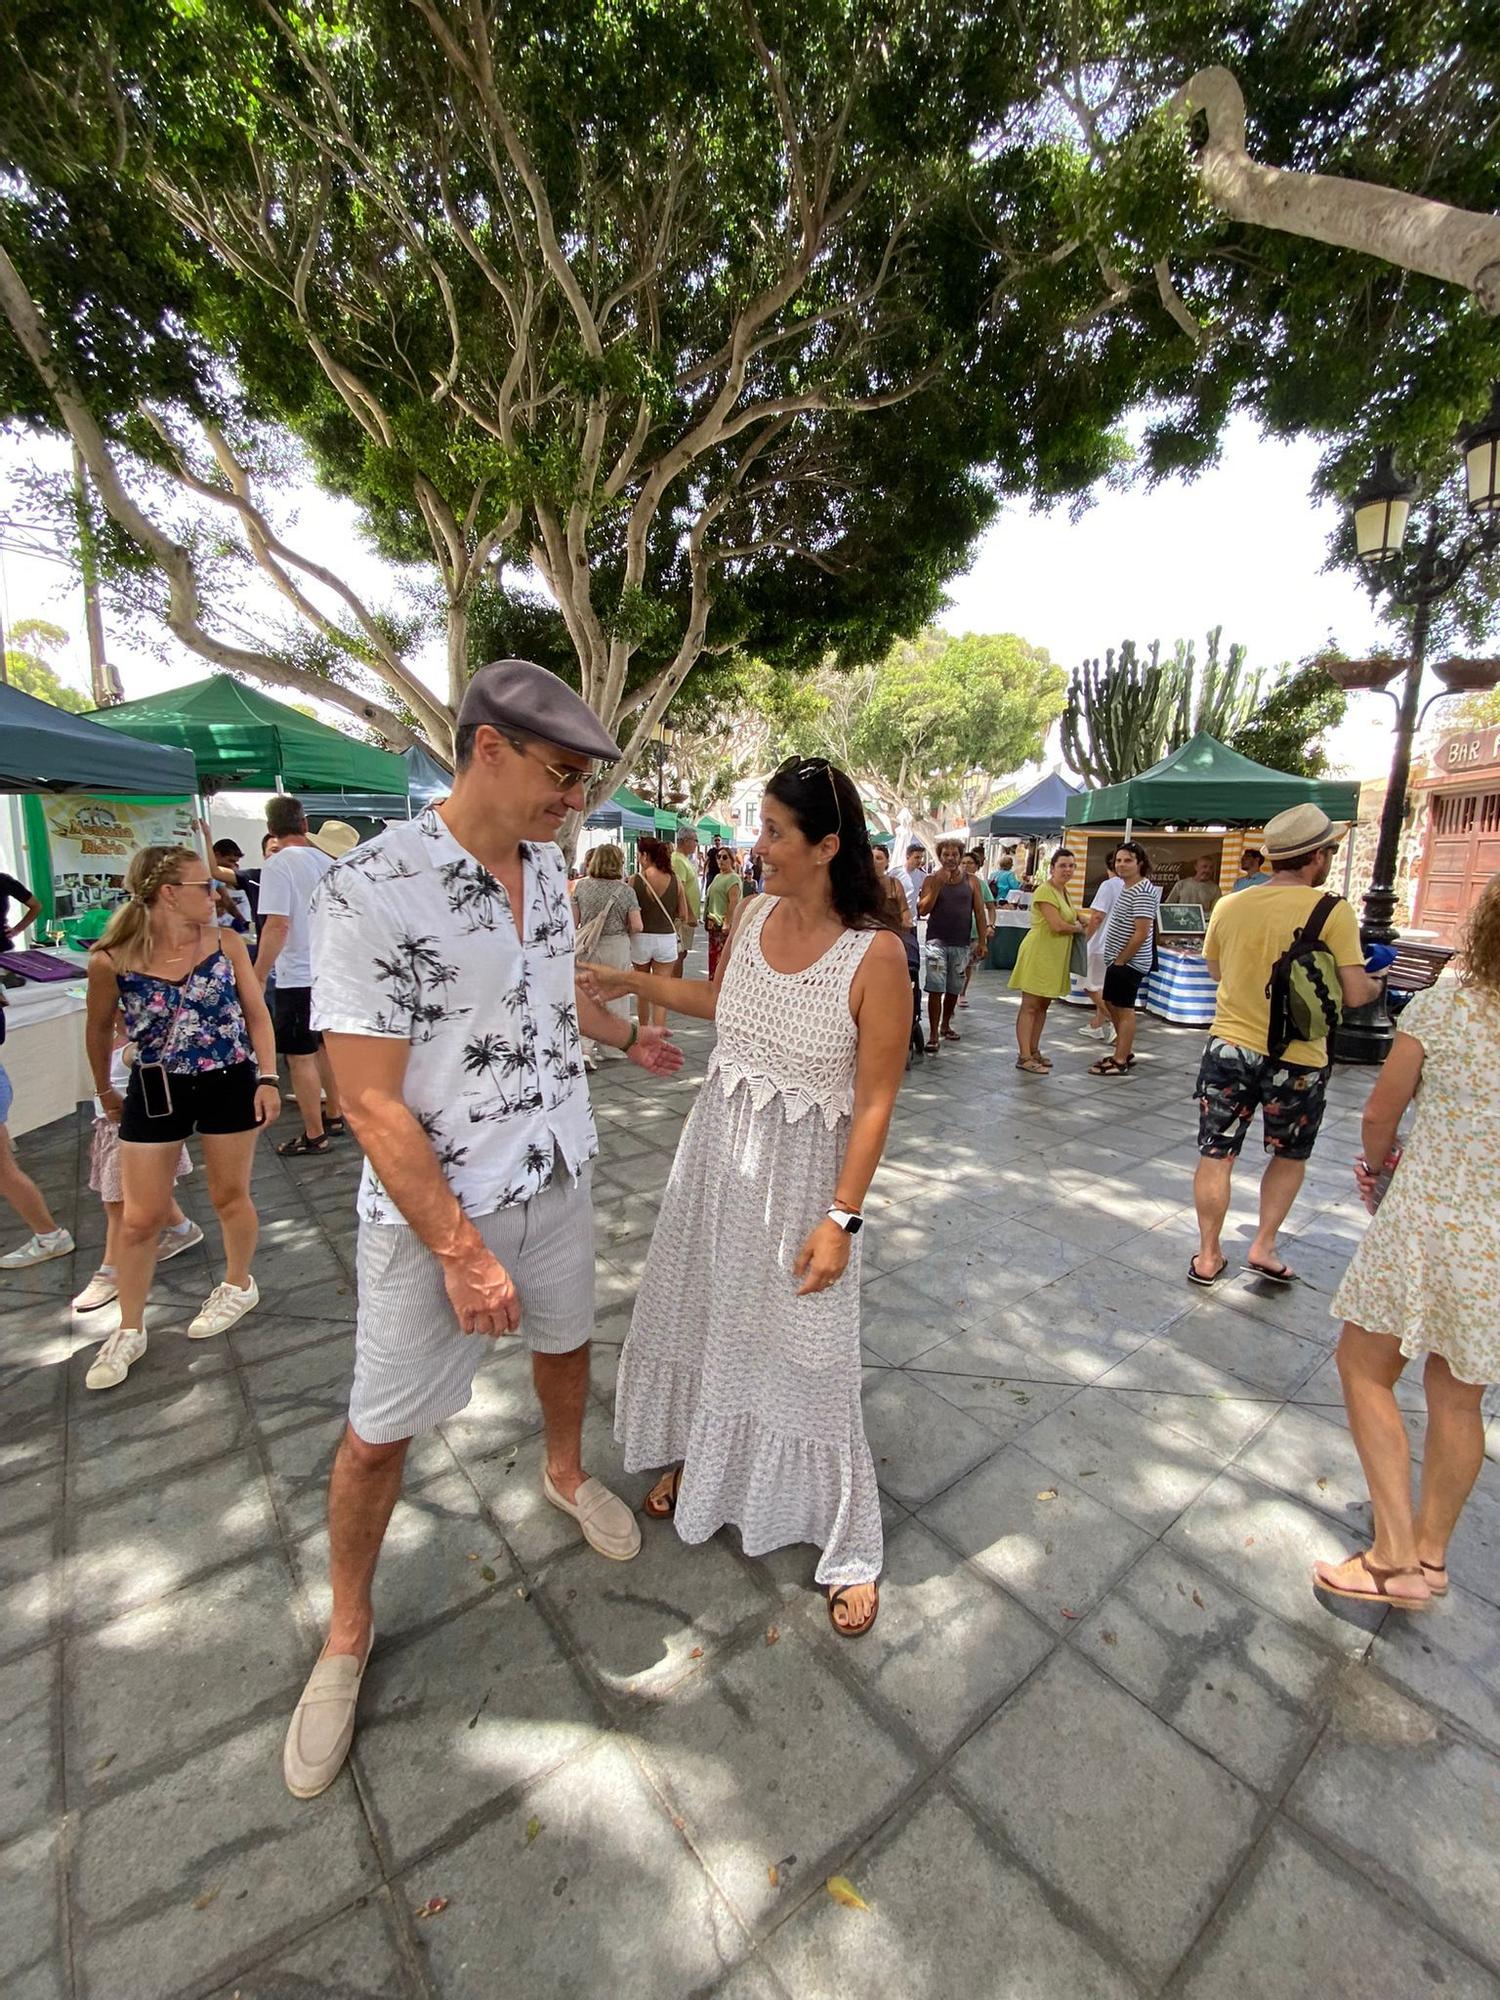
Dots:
{"x": 1102, "y": 1742}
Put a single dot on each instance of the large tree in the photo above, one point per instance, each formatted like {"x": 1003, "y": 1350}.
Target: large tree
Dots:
{"x": 726, "y": 323}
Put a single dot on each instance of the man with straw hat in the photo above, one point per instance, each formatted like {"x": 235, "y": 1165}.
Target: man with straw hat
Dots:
{"x": 1239, "y": 1075}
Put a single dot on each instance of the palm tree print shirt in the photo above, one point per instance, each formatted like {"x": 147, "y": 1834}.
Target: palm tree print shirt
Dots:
{"x": 413, "y": 939}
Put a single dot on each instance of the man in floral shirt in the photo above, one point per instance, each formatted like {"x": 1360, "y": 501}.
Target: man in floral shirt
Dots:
{"x": 443, "y": 984}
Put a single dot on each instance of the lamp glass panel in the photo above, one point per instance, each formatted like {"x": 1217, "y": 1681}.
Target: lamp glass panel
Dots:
{"x": 1380, "y": 529}
{"x": 1483, "y": 462}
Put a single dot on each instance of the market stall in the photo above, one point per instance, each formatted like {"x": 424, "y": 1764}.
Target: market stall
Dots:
{"x": 88, "y": 800}
{"x": 1201, "y": 800}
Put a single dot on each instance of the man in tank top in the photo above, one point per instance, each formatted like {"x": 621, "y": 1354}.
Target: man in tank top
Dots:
{"x": 953, "y": 904}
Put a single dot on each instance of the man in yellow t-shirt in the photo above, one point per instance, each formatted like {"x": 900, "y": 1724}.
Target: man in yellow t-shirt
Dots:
{"x": 1246, "y": 936}
{"x": 689, "y": 894}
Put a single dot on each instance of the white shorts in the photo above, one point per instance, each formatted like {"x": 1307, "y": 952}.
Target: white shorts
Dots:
{"x": 1094, "y": 979}
{"x": 654, "y": 948}
{"x": 413, "y": 1367}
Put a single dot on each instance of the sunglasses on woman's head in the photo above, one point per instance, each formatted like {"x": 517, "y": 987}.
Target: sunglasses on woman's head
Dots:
{"x": 806, "y": 767}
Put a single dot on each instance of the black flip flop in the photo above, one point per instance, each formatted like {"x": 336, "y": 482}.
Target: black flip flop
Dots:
{"x": 1196, "y": 1277}
{"x": 1282, "y": 1275}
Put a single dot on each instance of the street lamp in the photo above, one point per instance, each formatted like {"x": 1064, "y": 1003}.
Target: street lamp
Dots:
{"x": 1382, "y": 510}
{"x": 662, "y": 740}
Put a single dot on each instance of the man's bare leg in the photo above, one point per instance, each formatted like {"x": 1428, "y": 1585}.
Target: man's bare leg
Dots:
{"x": 1278, "y": 1190}
{"x": 362, "y": 1492}
{"x": 562, "y": 1388}
{"x": 1211, "y": 1185}
{"x": 307, "y": 1086}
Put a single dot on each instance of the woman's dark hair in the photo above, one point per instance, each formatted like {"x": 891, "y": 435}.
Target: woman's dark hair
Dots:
{"x": 1142, "y": 858}
{"x": 654, "y": 853}
{"x": 822, "y": 801}
{"x": 1060, "y": 854}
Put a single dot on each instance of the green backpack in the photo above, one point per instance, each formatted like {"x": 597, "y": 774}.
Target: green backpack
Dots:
{"x": 1307, "y": 1001}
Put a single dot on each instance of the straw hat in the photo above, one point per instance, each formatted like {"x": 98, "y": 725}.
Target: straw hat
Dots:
{"x": 336, "y": 838}
{"x": 1302, "y": 830}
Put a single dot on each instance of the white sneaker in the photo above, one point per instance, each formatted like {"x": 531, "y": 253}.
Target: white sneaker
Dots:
{"x": 99, "y": 1290}
{"x": 170, "y": 1244}
{"x": 116, "y": 1358}
{"x": 38, "y": 1250}
{"x": 224, "y": 1305}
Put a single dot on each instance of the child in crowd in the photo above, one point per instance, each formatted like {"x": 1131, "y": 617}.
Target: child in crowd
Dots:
{"x": 104, "y": 1178}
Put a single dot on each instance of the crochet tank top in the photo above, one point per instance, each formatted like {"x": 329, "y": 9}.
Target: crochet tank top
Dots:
{"x": 789, "y": 1034}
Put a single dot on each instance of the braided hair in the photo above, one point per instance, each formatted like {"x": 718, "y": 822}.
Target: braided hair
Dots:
{"x": 127, "y": 935}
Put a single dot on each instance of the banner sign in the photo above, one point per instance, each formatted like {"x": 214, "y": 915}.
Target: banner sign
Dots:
{"x": 90, "y": 840}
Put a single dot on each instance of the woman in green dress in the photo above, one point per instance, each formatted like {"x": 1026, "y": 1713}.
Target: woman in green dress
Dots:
{"x": 1041, "y": 974}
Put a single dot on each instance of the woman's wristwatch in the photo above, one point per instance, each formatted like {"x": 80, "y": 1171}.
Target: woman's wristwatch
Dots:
{"x": 848, "y": 1219}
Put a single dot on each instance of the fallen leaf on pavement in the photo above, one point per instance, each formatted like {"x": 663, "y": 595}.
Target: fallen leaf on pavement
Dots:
{"x": 678, "y": 1821}
{"x": 1066, "y": 1612}
{"x": 773, "y": 1876}
{"x": 1199, "y": 1602}
{"x": 696, "y": 1654}
{"x": 533, "y": 1828}
{"x": 773, "y": 1633}
{"x": 105, "y": 1761}
{"x": 1047, "y": 1493}
{"x": 843, "y": 1891}
{"x": 1249, "y": 1541}
{"x": 488, "y": 1574}
{"x": 1322, "y": 1485}
{"x": 1110, "y": 1638}
{"x": 202, "y": 1902}
{"x": 433, "y": 1907}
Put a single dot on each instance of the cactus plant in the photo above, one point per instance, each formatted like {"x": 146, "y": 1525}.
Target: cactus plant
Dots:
{"x": 1130, "y": 713}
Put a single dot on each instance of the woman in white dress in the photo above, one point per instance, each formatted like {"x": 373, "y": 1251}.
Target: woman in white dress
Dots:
{"x": 1426, "y": 1278}
{"x": 741, "y": 1372}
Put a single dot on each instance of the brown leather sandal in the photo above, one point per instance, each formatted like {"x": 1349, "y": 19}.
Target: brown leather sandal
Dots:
{"x": 838, "y": 1597}
{"x": 1431, "y": 1570}
{"x": 1379, "y": 1593}
{"x": 662, "y": 1506}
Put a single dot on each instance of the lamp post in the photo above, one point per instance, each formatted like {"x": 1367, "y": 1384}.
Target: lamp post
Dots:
{"x": 1382, "y": 509}
{"x": 662, "y": 740}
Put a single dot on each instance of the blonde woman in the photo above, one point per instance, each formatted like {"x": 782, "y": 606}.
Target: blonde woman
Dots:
{"x": 204, "y": 1063}
{"x": 608, "y": 916}
{"x": 1426, "y": 1277}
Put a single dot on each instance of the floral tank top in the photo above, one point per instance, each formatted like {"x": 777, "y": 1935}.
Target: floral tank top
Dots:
{"x": 210, "y": 1030}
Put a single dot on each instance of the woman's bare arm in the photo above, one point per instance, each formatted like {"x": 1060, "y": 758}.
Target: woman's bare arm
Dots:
{"x": 1386, "y": 1105}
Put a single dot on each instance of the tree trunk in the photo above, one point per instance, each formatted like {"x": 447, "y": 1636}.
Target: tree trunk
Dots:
{"x": 1455, "y": 244}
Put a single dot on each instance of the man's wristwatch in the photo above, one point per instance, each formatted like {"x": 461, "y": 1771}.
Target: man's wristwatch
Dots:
{"x": 847, "y": 1219}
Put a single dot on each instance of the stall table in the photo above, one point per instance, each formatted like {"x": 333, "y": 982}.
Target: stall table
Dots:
{"x": 43, "y": 1050}
{"x": 1180, "y": 990}
{"x": 1008, "y": 926}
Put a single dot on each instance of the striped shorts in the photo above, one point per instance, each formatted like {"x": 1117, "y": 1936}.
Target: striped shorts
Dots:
{"x": 413, "y": 1367}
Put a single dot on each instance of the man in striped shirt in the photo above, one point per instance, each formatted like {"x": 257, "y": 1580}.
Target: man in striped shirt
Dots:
{"x": 1127, "y": 953}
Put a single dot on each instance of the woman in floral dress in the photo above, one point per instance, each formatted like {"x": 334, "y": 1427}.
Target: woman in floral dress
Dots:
{"x": 742, "y": 1369}
{"x": 1426, "y": 1278}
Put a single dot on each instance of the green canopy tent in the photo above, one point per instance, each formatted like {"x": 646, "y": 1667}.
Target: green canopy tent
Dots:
{"x": 1205, "y": 783}
{"x": 241, "y": 740}
{"x": 710, "y": 828}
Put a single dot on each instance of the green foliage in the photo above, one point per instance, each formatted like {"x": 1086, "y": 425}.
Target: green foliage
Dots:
{"x": 1290, "y": 721}
{"x": 28, "y": 668}
{"x": 1127, "y": 715}
{"x": 1475, "y": 711}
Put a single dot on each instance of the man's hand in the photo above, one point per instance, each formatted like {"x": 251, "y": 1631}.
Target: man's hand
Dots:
{"x": 656, "y": 1052}
{"x": 480, "y": 1292}
{"x": 823, "y": 1258}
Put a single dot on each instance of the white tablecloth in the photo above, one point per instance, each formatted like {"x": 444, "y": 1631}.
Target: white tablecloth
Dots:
{"x": 43, "y": 1050}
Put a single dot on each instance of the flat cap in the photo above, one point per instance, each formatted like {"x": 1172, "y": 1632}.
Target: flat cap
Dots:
{"x": 518, "y": 697}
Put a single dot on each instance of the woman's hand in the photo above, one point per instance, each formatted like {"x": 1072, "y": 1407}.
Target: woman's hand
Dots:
{"x": 111, "y": 1103}
{"x": 605, "y": 982}
{"x": 267, "y": 1103}
{"x": 654, "y": 1051}
{"x": 823, "y": 1258}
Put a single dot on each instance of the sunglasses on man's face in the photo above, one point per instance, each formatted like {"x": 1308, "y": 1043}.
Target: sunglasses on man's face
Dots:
{"x": 565, "y": 776}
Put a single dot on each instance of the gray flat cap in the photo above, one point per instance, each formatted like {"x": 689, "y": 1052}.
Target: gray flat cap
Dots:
{"x": 520, "y": 698}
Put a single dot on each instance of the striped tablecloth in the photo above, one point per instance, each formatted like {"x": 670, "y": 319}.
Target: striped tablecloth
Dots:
{"x": 1180, "y": 990}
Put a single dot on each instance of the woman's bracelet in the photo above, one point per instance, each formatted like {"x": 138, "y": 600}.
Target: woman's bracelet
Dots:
{"x": 635, "y": 1036}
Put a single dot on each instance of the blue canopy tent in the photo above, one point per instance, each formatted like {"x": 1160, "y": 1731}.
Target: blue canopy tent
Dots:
{"x": 619, "y": 815}
{"x": 1040, "y": 811}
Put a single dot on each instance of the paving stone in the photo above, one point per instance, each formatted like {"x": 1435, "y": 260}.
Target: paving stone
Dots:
{"x": 1212, "y": 1347}
{"x": 948, "y": 1914}
{"x": 291, "y": 1388}
{"x": 1233, "y": 1679}
{"x": 222, "y": 1822}
{"x": 264, "y": 1334}
{"x": 1141, "y": 1471}
{"x": 28, "y": 1587}
{"x": 639, "y": 1624}
{"x": 436, "y": 1549}
{"x": 743, "y": 1757}
{"x": 30, "y": 1768}
{"x": 1311, "y": 1455}
{"x": 300, "y": 1461}
{"x": 452, "y": 1721}
{"x": 1419, "y": 1806}
{"x": 1264, "y": 1544}
{"x": 1058, "y": 1555}
{"x": 1449, "y": 1660}
{"x": 355, "y": 1956}
{"x": 509, "y": 1482}
{"x": 150, "y": 1687}
{"x": 502, "y": 1407}
{"x": 1073, "y": 1772}
{"x": 198, "y": 1423}
{"x": 34, "y": 1495}
{"x": 1006, "y": 1407}
{"x": 1298, "y": 1309}
{"x": 948, "y": 1645}
{"x": 920, "y": 1442}
{"x": 32, "y": 1963}
{"x": 1219, "y": 1421}
{"x": 1474, "y": 1552}
{"x": 1300, "y": 1923}
{"x": 581, "y": 1887}
{"x": 899, "y": 1320}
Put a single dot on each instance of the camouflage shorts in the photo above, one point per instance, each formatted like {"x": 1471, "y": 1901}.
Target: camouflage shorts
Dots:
{"x": 1233, "y": 1083}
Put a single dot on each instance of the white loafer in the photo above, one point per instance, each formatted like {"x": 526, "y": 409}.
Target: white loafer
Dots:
{"x": 322, "y": 1725}
{"x": 608, "y": 1525}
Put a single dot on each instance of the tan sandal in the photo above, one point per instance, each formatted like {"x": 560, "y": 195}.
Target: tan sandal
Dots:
{"x": 1379, "y": 1593}
{"x": 838, "y": 1597}
{"x": 1430, "y": 1570}
{"x": 662, "y": 1506}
